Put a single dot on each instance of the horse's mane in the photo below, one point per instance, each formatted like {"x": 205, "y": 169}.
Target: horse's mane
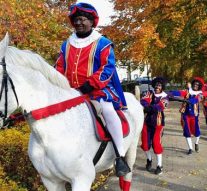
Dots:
{"x": 32, "y": 60}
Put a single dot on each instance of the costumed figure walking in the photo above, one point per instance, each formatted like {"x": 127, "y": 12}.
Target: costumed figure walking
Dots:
{"x": 154, "y": 103}
{"x": 87, "y": 60}
{"x": 190, "y": 111}
{"x": 205, "y": 102}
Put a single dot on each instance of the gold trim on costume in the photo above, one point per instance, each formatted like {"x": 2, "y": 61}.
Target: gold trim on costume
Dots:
{"x": 66, "y": 56}
{"x": 159, "y": 118}
{"x": 91, "y": 58}
{"x": 77, "y": 67}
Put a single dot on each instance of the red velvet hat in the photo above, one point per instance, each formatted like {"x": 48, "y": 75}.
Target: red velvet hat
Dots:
{"x": 83, "y": 8}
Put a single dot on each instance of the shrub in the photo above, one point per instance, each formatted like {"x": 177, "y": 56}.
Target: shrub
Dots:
{"x": 14, "y": 161}
{"x": 16, "y": 170}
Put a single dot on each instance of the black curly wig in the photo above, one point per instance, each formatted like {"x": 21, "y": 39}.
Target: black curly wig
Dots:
{"x": 160, "y": 80}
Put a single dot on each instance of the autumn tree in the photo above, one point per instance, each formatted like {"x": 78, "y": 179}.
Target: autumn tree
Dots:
{"x": 36, "y": 25}
{"x": 132, "y": 32}
{"x": 181, "y": 28}
{"x": 170, "y": 35}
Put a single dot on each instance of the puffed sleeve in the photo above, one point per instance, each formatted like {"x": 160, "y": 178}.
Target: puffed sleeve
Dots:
{"x": 103, "y": 75}
{"x": 60, "y": 63}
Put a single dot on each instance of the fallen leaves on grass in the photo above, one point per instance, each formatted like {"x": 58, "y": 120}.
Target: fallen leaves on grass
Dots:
{"x": 101, "y": 179}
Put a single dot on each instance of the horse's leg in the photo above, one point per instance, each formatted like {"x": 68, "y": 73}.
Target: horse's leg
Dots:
{"x": 53, "y": 185}
{"x": 81, "y": 183}
{"x": 125, "y": 182}
{"x": 85, "y": 177}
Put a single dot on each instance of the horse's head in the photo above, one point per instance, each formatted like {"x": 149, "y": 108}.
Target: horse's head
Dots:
{"x": 18, "y": 65}
{"x": 6, "y": 85}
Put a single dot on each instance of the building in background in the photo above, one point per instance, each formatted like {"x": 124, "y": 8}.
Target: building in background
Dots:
{"x": 135, "y": 74}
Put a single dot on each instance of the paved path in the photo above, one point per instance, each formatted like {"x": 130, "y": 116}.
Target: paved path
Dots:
{"x": 181, "y": 172}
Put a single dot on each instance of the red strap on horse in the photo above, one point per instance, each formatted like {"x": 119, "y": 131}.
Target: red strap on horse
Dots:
{"x": 58, "y": 107}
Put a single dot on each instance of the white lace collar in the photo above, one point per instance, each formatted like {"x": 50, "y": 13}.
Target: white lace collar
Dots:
{"x": 192, "y": 92}
{"x": 83, "y": 42}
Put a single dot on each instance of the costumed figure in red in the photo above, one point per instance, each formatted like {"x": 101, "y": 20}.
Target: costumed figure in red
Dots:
{"x": 87, "y": 60}
{"x": 190, "y": 111}
{"x": 154, "y": 103}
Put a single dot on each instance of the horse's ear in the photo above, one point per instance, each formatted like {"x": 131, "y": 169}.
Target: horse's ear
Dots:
{"x": 3, "y": 45}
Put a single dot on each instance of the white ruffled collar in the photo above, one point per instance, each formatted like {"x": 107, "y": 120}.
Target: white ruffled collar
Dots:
{"x": 192, "y": 92}
{"x": 162, "y": 94}
{"x": 83, "y": 42}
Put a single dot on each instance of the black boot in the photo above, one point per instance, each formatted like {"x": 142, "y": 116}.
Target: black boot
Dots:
{"x": 149, "y": 165}
{"x": 158, "y": 170}
{"x": 197, "y": 148}
{"x": 121, "y": 167}
{"x": 189, "y": 152}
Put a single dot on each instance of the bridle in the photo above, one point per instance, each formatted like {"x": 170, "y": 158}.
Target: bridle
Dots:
{"x": 4, "y": 88}
{"x": 36, "y": 114}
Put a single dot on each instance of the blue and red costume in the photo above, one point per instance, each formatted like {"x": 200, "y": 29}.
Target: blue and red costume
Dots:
{"x": 205, "y": 102}
{"x": 154, "y": 120}
{"x": 88, "y": 62}
{"x": 94, "y": 63}
{"x": 189, "y": 111}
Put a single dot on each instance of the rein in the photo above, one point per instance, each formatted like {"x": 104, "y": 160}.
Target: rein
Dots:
{"x": 41, "y": 112}
{"x": 50, "y": 110}
{"x": 38, "y": 113}
{"x": 4, "y": 87}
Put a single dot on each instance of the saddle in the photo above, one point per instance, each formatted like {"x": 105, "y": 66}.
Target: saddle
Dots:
{"x": 101, "y": 130}
{"x": 96, "y": 112}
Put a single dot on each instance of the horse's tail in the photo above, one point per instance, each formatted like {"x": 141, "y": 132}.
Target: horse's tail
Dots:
{"x": 137, "y": 92}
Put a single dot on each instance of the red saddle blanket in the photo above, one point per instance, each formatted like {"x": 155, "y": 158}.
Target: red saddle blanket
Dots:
{"x": 102, "y": 134}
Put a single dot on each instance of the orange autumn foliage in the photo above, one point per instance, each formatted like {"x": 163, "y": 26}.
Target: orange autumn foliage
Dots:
{"x": 162, "y": 33}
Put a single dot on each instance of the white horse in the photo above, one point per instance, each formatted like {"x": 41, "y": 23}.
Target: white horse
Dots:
{"x": 61, "y": 146}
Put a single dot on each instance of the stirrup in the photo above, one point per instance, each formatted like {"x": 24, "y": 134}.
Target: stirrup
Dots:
{"x": 121, "y": 167}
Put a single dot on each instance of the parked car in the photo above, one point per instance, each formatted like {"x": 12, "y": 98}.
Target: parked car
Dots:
{"x": 124, "y": 80}
{"x": 143, "y": 80}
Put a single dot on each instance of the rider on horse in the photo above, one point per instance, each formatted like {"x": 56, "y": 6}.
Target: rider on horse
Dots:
{"x": 87, "y": 60}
